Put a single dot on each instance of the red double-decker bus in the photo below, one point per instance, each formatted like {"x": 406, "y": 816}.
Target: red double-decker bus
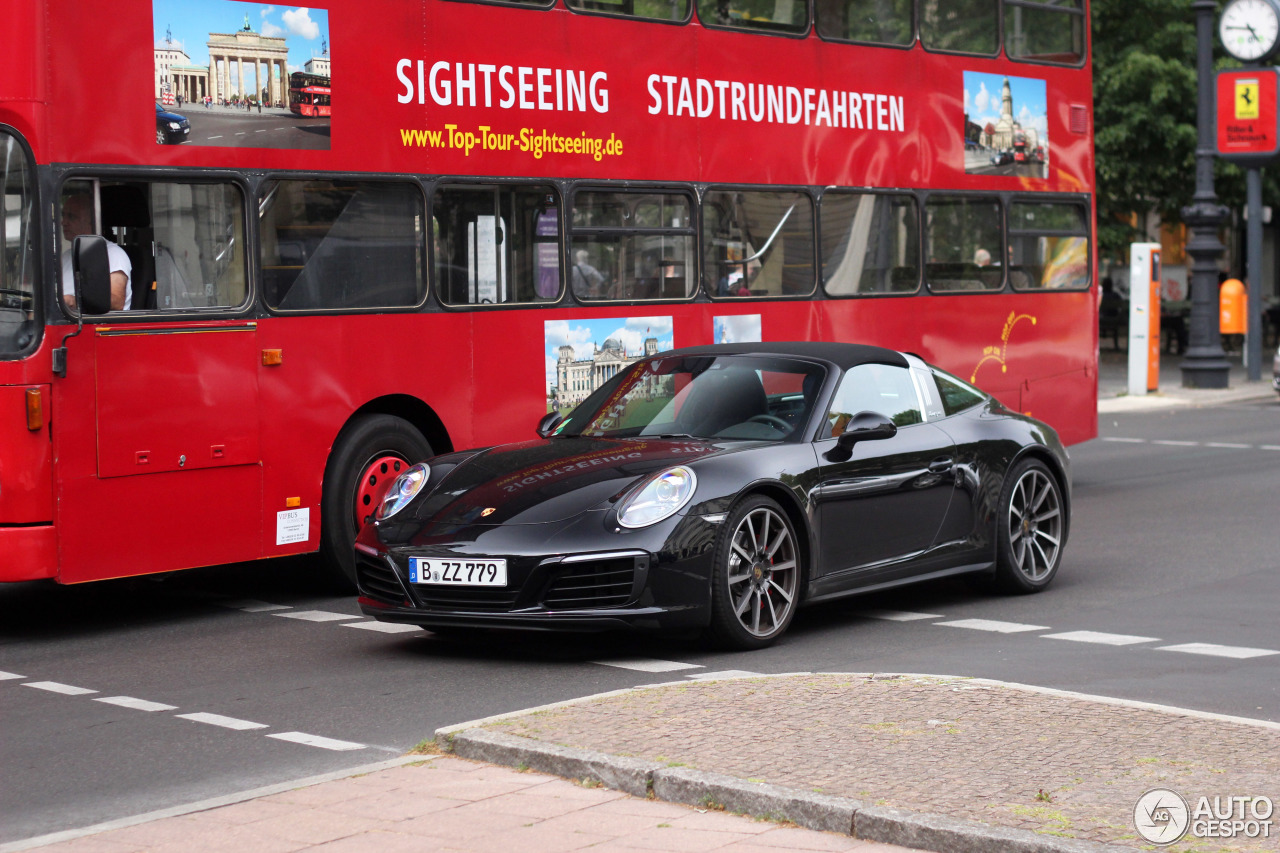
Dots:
{"x": 506, "y": 207}
{"x": 310, "y": 95}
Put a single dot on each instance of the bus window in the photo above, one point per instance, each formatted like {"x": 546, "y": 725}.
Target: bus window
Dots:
{"x": 654, "y": 10}
{"x": 960, "y": 26}
{"x": 341, "y": 245}
{"x": 1044, "y": 30}
{"x": 963, "y": 244}
{"x": 184, "y": 241}
{"x": 496, "y": 244}
{"x": 769, "y": 16}
{"x": 632, "y": 245}
{"x": 870, "y": 244}
{"x": 1048, "y": 246}
{"x": 757, "y": 243}
{"x": 17, "y": 248}
{"x": 869, "y": 21}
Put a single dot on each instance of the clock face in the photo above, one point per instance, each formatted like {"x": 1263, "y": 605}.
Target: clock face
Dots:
{"x": 1249, "y": 28}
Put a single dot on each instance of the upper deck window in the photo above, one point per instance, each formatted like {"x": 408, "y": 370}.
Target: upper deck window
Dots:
{"x": 868, "y": 21}
{"x": 769, "y": 16}
{"x": 960, "y": 26}
{"x": 1044, "y": 30}
{"x": 17, "y": 247}
{"x": 651, "y": 10}
{"x": 757, "y": 243}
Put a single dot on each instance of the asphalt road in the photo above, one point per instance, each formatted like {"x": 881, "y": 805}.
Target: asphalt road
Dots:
{"x": 1172, "y": 544}
{"x": 272, "y": 128}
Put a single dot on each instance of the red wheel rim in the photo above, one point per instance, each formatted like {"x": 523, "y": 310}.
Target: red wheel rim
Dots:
{"x": 376, "y": 478}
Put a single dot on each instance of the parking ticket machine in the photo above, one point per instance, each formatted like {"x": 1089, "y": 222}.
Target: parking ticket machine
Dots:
{"x": 1144, "y": 318}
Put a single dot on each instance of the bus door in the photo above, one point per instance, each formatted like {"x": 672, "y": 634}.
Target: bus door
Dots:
{"x": 177, "y": 476}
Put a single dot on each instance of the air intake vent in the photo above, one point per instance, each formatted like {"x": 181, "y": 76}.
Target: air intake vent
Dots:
{"x": 1079, "y": 119}
{"x": 473, "y": 598}
{"x": 377, "y": 580}
{"x": 600, "y": 583}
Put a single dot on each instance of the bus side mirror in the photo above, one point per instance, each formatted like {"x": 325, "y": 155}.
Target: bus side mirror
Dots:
{"x": 548, "y": 424}
{"x": 91, "y": 269}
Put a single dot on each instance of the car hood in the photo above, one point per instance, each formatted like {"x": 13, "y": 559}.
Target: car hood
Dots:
{"x": 540, "y": 481}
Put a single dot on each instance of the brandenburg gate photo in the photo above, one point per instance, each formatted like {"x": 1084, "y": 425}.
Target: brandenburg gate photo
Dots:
{"x": 264, "y": 58}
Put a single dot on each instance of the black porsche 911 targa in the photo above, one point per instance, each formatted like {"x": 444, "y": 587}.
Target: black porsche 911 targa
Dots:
{"x": 722, "y": 487}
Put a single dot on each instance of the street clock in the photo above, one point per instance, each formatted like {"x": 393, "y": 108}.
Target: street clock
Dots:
{"x": 1250, "y": 29}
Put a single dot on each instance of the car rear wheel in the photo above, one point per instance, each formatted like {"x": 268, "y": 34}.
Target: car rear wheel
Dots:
{"x": 1032, "y": 528}
{"x": 367, "y": 457}
{"x": 756, "y": 582}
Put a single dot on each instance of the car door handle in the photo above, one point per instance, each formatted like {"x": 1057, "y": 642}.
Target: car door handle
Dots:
{"x": 941, "y": 465}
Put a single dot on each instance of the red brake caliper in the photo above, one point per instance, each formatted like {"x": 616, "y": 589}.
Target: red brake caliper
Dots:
{"x": 374, "y": 482}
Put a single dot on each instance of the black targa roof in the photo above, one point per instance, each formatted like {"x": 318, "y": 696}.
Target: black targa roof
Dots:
{"x": 842, "y": 355}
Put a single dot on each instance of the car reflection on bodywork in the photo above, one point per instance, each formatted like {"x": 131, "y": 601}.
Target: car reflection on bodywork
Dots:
{"x": 721, "y": 488}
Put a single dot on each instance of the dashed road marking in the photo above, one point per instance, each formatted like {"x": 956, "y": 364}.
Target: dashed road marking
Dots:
{"x": 384, "y": 627}
{"x": 5, "y": 676}
{"x": 224, "y": 722}
{"x": 896, "y": 615}
{"x": 994, "y": 625}
{"x": 318, "y": 616}
{"x": 723, "y": 674}
{"x": 1103, "y": 638}
{"x": 1237, "y": 652}
{"x": 250, "y": 605}
{"x": 316, "y": 740}
{"x": 1168, "y": 442}
{"x": 648, "y": 664}
{"x": 55, "y": 687}
{"x": 136, "y": 704}
{"x": 1124, "y": 440}
{"x": 1229, "y": 445}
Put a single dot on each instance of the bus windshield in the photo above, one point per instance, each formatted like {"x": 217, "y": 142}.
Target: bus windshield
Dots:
{"x": 17, "y": 253}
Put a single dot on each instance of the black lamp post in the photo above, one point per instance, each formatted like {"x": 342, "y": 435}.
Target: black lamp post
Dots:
{"x": 1205, "y": 365}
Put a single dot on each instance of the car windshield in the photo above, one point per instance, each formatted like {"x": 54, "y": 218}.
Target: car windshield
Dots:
{"x": 722, "y": 397}
{"x": 17, "y": 248}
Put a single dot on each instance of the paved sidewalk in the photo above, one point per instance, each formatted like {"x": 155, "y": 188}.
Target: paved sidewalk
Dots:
{"x": 1113, "y": 385}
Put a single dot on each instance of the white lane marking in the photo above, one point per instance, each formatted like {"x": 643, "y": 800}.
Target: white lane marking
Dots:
{"x": 5, "y": 676}
{"x": 648, "y": 664}
{"x": 1228, "y": 444}
{"x": 251, "y": 605}
{"x": 316, "y": 740}
{"x": 1168, "y": 442}
{"x": 723, "y": 674}
{"x": 384, "y": 627}
{"x": 219, "y": 136}
{"x": 1099, "y": 637}
{"x": 1126, "y": 440}
{"x": 994, "y": 625}
{"x": 896, "y": 615}
{"x": 1238, "y": 652}
{"x": 136, "y": 704}
{"x": 1269, "y": 446}
{"x": 318, "y": 616}
{"x": 55, "y": 687}
{"x": 224, "y": 722}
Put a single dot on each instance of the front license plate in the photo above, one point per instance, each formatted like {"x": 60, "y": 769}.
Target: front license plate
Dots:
{"x": 458, "y": 572}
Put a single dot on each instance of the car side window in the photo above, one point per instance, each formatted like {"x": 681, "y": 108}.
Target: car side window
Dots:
{"x": 881, "y": 388}
{"x": 956, "y": 395}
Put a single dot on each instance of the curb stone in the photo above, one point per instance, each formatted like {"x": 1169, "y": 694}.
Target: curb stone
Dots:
{"x": 810, "y": 810}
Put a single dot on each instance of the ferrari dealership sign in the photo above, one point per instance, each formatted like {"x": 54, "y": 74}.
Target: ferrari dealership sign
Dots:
{"x": 1246, "y": 112}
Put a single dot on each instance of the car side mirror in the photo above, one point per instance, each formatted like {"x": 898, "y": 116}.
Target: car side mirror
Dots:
{"x": 864, "y": 426}
{"x": 91, "y": 268}
{"x": 548, "y": 424}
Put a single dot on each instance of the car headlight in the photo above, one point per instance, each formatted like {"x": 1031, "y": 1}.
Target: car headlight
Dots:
{"x": 404, "y": 489}
{"x": 173, "y": 125}
{"x": 658, "y": 497}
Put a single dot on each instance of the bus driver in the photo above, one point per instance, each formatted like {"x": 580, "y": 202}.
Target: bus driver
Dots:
{"x": 77, "y": 221}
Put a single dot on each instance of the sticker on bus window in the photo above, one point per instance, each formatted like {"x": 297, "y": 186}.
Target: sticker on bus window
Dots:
{"x": 583, "y": 354}
{"x": 736, "y": 329}
{"x": 1006, "y": 126}
{"x": 293, "y": 525}
{"x": 241, "y": 75}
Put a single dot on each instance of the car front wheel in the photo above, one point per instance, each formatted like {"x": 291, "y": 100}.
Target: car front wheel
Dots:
{"x": 1032, "y": 528}
{"x": 756, "y": 579}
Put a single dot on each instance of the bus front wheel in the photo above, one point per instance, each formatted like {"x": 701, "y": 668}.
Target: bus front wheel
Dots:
{"x": 367, "y": 457}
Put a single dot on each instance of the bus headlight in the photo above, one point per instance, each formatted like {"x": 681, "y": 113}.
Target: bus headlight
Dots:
{"x": 404, "y": 489}
{"x": 656, "y": 498}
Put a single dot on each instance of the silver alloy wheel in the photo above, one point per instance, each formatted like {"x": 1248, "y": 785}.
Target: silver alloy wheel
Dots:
{"x": 764, "y": 572}
{"x": 1035, "y": 524}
